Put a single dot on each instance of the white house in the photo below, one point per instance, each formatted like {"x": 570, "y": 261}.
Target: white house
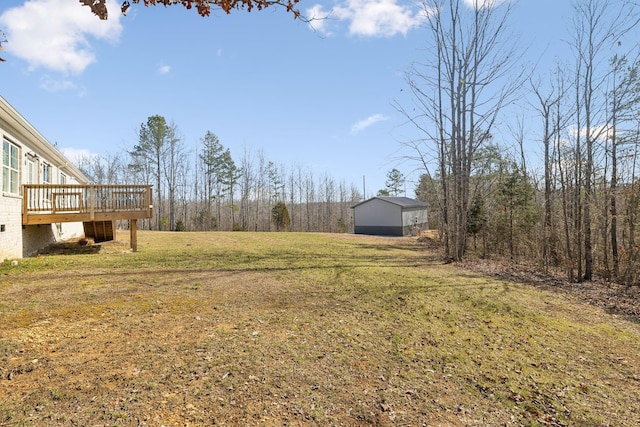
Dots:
{"x": 28, "y": 158}
{"x": 44, "y": 198}
{"x": 389, "y": 216}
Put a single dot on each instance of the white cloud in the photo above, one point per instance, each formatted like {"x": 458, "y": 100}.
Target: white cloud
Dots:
{"x": 369, "y": 18}
{"x": 56, "y": 85}
{"x": 598, "y": 132}
{"x": 484, "y": 3}
{"x": 76, "y": 155}
{"x": 320, "y": 19}
{"x": 54, "y": 34}
{"x": 369, "y": 121}
{"x": 164, "y": 69}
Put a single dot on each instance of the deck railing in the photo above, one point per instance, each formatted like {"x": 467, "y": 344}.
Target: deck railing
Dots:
{"x": 50, "y": 203}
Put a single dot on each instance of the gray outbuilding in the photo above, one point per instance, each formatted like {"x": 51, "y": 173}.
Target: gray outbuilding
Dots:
{"x": 389, "y": 216}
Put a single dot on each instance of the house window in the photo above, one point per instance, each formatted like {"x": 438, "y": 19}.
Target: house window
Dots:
{"x": 46, "y": 173}
{"x": 63, "y": 179}
{"x": 10, "y": 167}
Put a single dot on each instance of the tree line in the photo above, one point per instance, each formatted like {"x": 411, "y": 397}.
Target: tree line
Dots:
{"x": 578, "y": 210}
{"x": 207, "y": 189}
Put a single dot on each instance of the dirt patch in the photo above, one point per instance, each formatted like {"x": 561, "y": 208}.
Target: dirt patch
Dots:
{"x": 85, "y": 246}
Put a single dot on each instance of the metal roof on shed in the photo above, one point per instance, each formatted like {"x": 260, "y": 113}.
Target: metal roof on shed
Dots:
{"x": 404, "y": 202}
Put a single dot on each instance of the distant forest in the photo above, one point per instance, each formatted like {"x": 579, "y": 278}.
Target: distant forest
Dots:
{"x": 209, "y": 190}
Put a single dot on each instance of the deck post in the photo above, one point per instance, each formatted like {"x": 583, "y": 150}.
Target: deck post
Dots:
{"x": 92, "y": 206}
{"x": 133, "y": 229}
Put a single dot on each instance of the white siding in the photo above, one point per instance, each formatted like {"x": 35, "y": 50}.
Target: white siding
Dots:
{"x": 389, "y": 216}
{"x": 378, "y": 213}
{"x": 11, "y": 221}
{"x": 414, "y": 217}
{"x": 34, "y": 152}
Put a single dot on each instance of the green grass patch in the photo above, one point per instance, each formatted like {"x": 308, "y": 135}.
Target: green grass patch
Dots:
{"x": 293, "y": 329}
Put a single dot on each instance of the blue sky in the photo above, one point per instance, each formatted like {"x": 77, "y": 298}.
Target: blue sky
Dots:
{"x": 321, "y": 98}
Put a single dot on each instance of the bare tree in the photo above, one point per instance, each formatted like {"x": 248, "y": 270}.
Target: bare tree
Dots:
{"x": 632, "y": 206}
{"x": 599, "y": 26}
{"x": 247, "y": 188}
{"x": 262, "y": 196}
{"x": 107, "y": 169}
{"x": 553, "y": 122}
{"x": 624, "y": 98}
{"x": 173, "y": 164}
{"x": 310, "y": 200}
{"x": 458, "y": 94}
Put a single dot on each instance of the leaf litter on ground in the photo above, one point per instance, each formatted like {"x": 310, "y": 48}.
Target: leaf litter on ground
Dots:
{"x": 301, "y": 329}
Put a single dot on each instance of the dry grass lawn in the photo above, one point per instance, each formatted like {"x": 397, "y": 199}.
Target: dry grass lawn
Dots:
{"x": 278, "y": 329}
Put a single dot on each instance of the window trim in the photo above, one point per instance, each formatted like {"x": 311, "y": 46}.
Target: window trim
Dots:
{"x": 10, "y": 171}
{"x": 46, "y": 173}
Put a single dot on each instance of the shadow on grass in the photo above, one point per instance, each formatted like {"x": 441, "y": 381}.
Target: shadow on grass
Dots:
{"x": 71, "y": 248}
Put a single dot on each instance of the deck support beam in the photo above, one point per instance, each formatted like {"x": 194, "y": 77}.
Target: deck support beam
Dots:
{"x": 133, "y": 230}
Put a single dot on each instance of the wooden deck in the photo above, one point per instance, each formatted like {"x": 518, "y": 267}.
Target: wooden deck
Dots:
{"x": 93, "y": 205}
{"x": 49, "y": 204}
